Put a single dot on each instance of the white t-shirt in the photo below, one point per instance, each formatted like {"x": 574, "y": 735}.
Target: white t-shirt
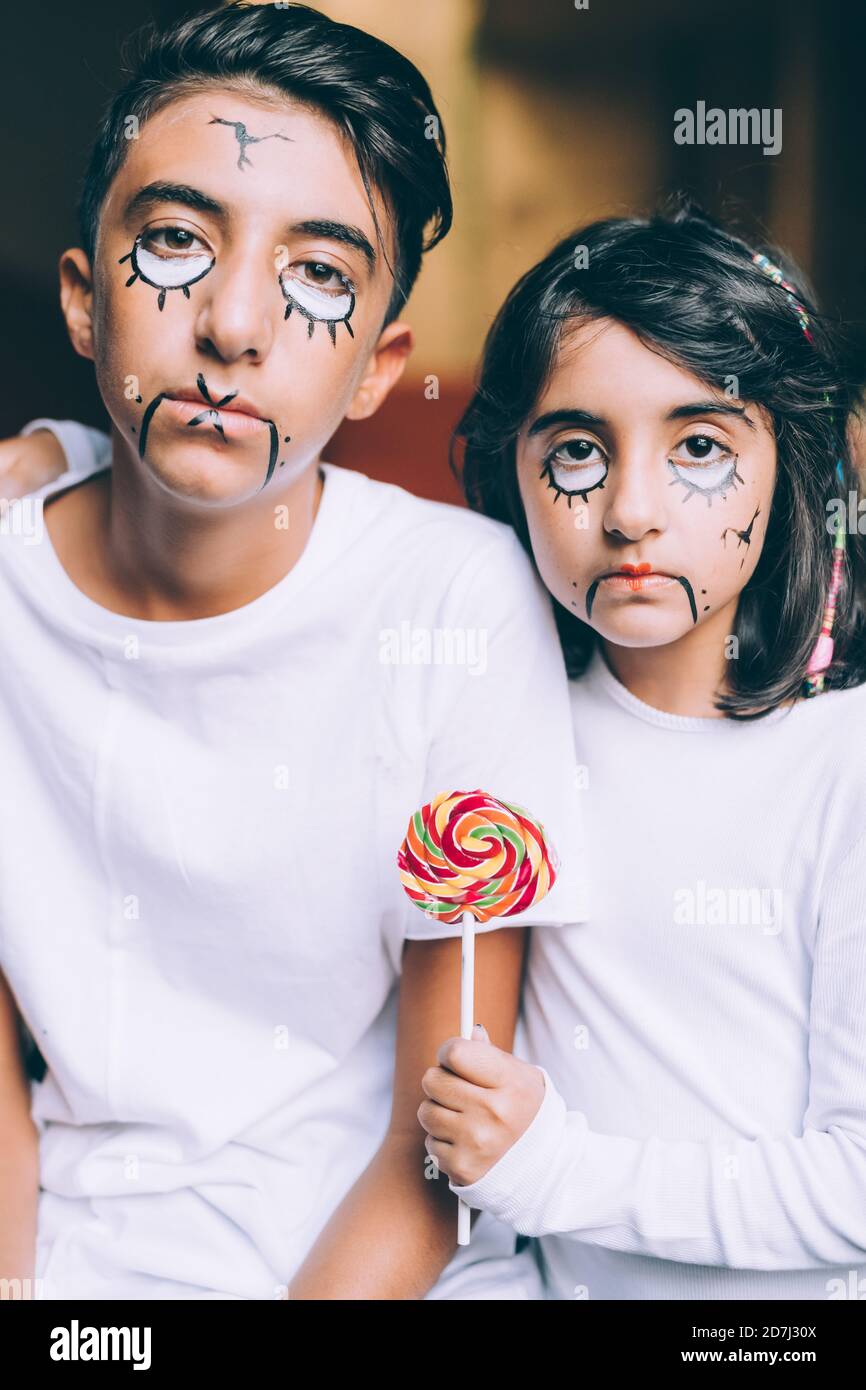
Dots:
{"x": 703, "y": 1034}
{"x": 200, "y": 912}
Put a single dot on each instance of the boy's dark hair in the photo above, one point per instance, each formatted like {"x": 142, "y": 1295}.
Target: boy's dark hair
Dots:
{"x": 690, "y": 291}
{"x": 374, "y": 95}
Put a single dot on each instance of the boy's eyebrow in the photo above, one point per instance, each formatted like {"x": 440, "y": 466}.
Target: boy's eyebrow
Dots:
{"x": 684, "y": 412}
{"x": 161, "y": 192}
{"x": 579, "y": 418}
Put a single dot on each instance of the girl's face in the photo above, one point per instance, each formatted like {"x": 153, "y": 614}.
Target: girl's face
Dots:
{"x": 647, "y": 492}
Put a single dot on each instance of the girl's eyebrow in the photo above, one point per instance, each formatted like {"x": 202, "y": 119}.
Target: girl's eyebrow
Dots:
{"x": 580, "y": 418}
{"x": 152, "y": 194}
{"x": 684, "y": 412}
{"x": 584, "y": 419}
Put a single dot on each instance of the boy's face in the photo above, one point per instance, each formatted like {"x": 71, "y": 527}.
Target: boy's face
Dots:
{"x": 630, "y": 464}
{"x": 235, "y": 315}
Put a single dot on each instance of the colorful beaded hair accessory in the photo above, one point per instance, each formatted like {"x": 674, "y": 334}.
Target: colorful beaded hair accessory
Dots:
{"x": 773, "y": 273}
{"x": 822, "y": 655}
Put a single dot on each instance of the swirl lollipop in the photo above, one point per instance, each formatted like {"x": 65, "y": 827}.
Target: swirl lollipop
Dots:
{"x": 468, "y": 856}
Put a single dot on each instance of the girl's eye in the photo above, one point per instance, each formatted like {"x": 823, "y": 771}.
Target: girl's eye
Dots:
{"x": 699, "y": 470}
{"x": 575, "y": 468}
{"x": 319, "y": 292}
{"x": 698, "y": 448}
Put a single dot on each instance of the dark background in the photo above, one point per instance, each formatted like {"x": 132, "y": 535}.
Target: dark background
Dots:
{"x": 62, "y": 62}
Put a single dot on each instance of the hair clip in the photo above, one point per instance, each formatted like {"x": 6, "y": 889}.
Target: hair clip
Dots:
{"x": 822, "y": 655}
{"x": 775, "y": 274}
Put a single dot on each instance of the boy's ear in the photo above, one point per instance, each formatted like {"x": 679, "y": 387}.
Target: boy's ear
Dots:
{"x": 384, "y": 369}
{"x": 76, "y": 299}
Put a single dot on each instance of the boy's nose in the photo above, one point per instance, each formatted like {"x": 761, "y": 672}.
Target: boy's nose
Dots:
{"x": 238, "y": 314}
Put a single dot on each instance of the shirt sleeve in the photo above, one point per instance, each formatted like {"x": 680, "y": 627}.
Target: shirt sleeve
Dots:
{"x": 501, "y": 720}
{"x": 776, "y": 1202}
{"x": 87, "y": 450}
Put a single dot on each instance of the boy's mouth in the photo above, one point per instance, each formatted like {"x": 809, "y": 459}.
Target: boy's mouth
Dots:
{"x": 235, "y": 417}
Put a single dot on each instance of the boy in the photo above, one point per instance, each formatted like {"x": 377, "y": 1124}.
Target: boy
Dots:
{"x": 230, "y": 685}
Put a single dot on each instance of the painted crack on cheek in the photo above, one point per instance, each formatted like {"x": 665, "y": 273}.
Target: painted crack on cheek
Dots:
{"x": 743, "y": 537}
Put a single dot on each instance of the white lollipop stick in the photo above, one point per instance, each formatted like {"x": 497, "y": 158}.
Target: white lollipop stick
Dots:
{"x": 467, "y": 1018}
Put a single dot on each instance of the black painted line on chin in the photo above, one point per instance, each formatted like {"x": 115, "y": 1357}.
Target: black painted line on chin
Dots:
{"x": 590, "y": 597}
{"x": 275, "y": 445}
{"x": 145, "y": 424}
{"x": 681, "y": 579}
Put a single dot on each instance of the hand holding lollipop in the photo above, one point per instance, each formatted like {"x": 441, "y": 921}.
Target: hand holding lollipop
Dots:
{"x": 467, "y": 855}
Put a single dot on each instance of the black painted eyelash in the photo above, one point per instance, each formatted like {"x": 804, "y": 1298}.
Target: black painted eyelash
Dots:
{"x": 138, "y": 273}
{"x": 722, "y": 487}
{"x": 547, "y": 469}
{"x": 313, "y": 319}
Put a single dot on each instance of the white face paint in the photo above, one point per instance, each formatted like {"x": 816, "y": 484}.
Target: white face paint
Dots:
{"x": 170, "y": 272}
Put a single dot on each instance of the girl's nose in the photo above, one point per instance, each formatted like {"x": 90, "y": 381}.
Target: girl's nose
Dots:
{"x": 636, "y": 496}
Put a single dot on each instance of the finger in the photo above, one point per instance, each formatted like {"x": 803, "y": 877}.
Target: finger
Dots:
{"x": 450, "y": 1090}
{"x": 439, "y": 1122}
{"x": 443, "y": 1153}
{"x": 474, "y": 1060}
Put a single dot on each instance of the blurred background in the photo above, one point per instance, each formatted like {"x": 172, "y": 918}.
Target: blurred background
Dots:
{"x": 554, "y": 115}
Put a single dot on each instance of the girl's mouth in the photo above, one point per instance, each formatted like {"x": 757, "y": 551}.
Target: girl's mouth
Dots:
{"x": 636, "y": 578}
{"x": 637, "y": 582}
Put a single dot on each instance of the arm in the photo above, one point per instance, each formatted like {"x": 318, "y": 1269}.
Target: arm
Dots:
{"x": 396, "y": 1229}
{"x": 19, "y": 1153}
{"x": 28, "y": 463}
{"x": 44, "y": 450}
{"x": 778, "y": 1202}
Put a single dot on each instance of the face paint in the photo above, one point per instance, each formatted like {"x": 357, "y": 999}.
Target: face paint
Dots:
{"x": 743, "y": 536}
{"x": 166, "y": 272}
{"x": 573, "y": 473}
{"x": 706, "y": 479}
{"x": 680, "y": 578}
{"x": 244, "y": 139}
{"x": 317, "y": 304}
{"x": 212, "y": 416}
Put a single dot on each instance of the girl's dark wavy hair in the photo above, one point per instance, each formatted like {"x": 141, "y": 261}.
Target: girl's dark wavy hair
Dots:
{"x": 688, "y": 288}
{"x": 376, "y": 98}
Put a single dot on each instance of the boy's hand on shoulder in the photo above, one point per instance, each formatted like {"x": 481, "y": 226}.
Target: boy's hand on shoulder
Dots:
{"x": 479, "y": 1102}
{"x": 28, "y": 462}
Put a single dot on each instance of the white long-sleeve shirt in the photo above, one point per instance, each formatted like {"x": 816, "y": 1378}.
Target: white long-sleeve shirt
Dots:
{"x": 201, "y": 918}
{"x": 703, "y": 1035}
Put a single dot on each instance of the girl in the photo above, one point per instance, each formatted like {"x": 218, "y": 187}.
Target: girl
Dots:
{"x": 663, "y": 419}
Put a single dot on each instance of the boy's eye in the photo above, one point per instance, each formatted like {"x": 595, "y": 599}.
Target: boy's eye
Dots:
{"x": 319, "y": 292}
{"x": 323, "y": 276}
{"x": 171, "y": 241}
{"x": 171, "y": 257}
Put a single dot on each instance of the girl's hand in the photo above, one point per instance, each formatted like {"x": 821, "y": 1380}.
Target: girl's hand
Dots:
{"x": 29, "y": 461}
{"x": 479, "y": 1102}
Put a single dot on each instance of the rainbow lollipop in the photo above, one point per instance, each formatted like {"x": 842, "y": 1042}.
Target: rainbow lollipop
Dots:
{"x": 467, "y": 855}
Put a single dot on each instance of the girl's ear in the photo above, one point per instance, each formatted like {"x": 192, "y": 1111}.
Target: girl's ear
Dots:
{"x": 384, "y": 370}
{"x": 76, "y": 299}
